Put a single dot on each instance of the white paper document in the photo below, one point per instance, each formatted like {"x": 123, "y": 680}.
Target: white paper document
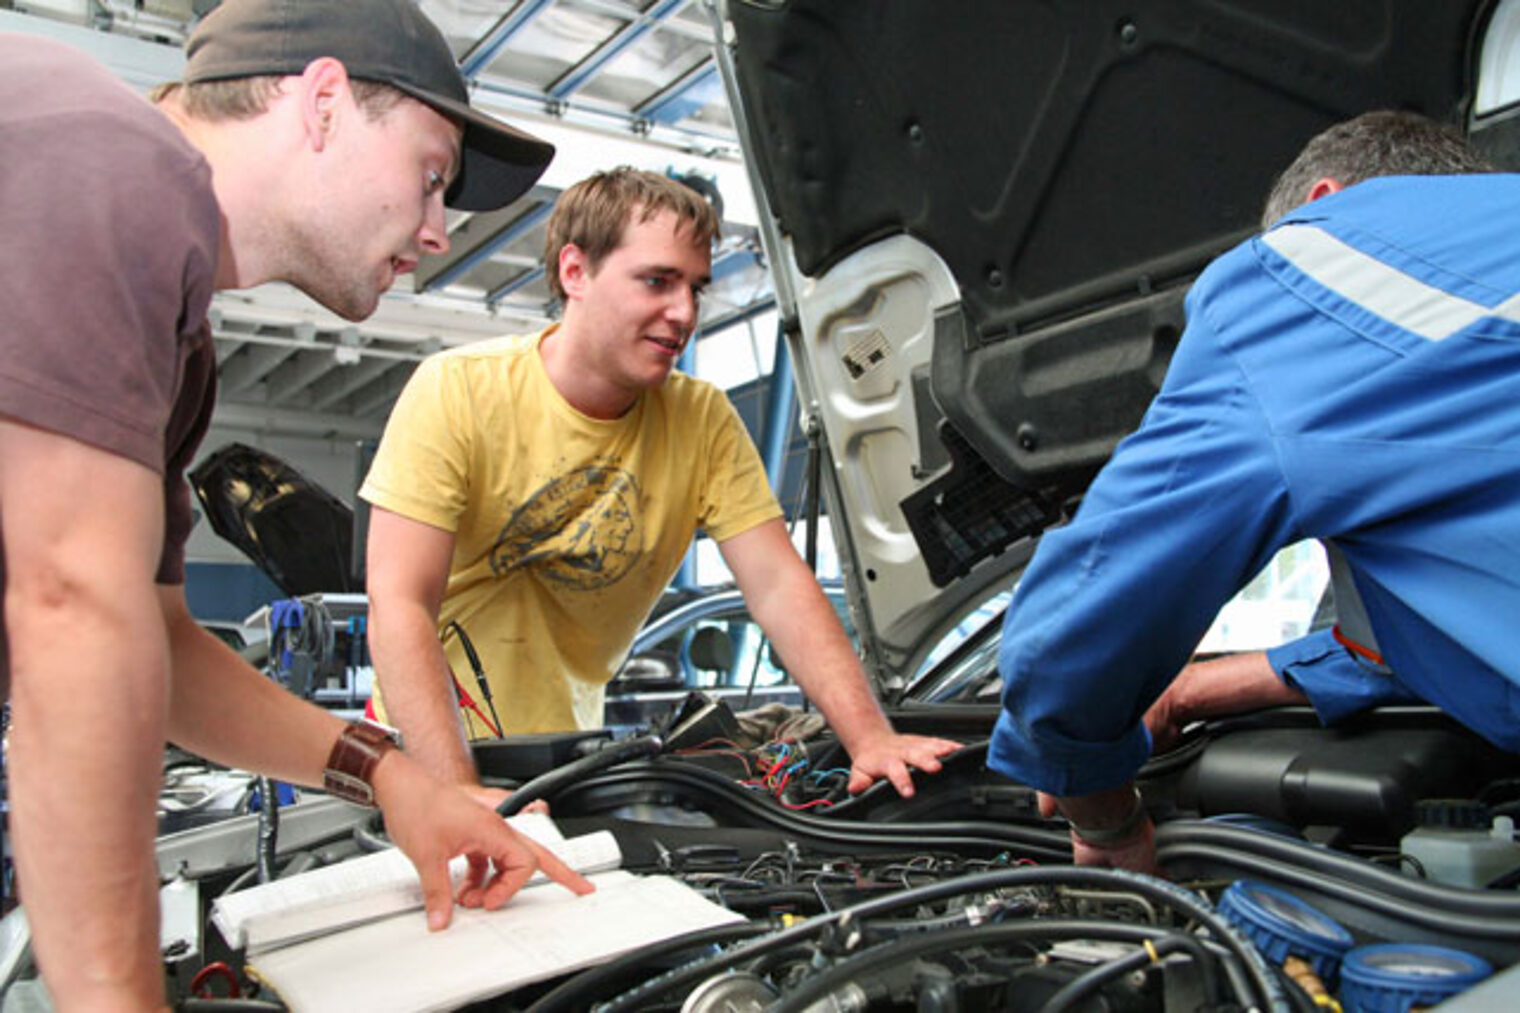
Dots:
{"x": 396, "y": 964}
{"x": 375, "y": 886}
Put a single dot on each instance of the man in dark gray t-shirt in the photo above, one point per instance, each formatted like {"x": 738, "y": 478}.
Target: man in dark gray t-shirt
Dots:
{"x": 314, "y": 143}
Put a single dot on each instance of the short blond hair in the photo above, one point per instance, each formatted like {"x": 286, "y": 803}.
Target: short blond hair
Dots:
{"x": 594, "y": 213}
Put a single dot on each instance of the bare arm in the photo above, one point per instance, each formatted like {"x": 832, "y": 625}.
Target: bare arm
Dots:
{"x": 785, "y": 599}
{"x": 1120, "y": 833}
{"x": 226, "y": 711}
{"x": 408, "y": 569}
{"x": 222, "y": 709}
{"x": 89, "y": 692}
{"x": 1233, "y": 684}
{"x": 103, "y": 665}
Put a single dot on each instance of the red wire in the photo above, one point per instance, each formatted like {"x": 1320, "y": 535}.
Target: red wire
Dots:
{"x": 699, "y": 751}
{"x": 219, "y": 969}
{"x": 703, "y": 745}
{"x": 468, "y": 702}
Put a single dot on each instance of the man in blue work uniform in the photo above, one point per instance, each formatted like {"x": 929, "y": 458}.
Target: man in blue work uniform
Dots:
{"x": 1348, "y": 376}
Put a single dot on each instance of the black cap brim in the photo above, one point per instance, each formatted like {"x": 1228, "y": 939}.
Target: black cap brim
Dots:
{"x": 500, "y": 163}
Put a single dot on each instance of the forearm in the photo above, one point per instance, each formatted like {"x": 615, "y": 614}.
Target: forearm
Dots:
{"x": 811, "y": 642}
{"x": 224, "y": 710}
{"x": 1233, "y": 684}
{"x": 418, "y": 688}
{"x": 1109, "y": 828}
{"x": 89, "y": 692}
{"x": 1100, "y": 810}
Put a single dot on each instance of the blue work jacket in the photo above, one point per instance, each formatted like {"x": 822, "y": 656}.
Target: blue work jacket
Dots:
{"x": 1352, "y": 374}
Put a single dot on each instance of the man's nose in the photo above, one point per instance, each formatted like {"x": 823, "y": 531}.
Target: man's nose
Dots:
{"x": 434, "y": 233}
{"x": 682, "y": 307}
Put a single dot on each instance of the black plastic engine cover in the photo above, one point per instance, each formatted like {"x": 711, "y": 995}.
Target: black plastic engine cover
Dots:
{"x": 1364, "y": 780}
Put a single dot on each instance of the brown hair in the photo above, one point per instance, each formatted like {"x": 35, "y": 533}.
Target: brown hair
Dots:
{"x": 593, "y": 213}
{"x": 243, "y": 98}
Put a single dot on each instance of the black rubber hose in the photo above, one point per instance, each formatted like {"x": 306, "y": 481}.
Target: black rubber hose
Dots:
{"x": 1038, "y": 843}
{"x": 579, "y": 992}
{"x": 1082, "y": 985}
{"x": 1463, "y": 913}
{"x": 817, "y": 988}
{"x": 1261, "y": 978}
{"x": 370, "y": 834}
{"x": 545, "y": 785}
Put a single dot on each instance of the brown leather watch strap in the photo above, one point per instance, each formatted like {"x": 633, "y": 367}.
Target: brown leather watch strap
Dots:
{"x": 352, "y": 761}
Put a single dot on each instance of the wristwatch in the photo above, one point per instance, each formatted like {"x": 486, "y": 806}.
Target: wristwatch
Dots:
{"x": 353, "y": 758}
{"x": 1122, "y": 833}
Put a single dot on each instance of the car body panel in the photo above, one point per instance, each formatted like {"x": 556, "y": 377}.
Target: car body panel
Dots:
{"x": 984, "y": 225}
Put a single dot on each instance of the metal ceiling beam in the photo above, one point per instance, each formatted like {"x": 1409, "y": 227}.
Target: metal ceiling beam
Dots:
{"x": 732, "y": 261}
{"x": 629, "y": 11}
{"x": 224, "y": 349}
{"x": 491, "y": 44}
{"x": 520, "y": 227}
{"x": 382, "y": 394}
{"x": 578, "y": 76}
{"x": 142, "y": 64}
{"x": 337, "y": 386}
{"x": 297, "y": 345}
{"x": 256, "y": 363}
{"x": 295, "y": 376}
{"x": 510, "y": 99}
{"x": 526, "y": 278}
{"x": 671, "y": 103}
{"x": 293, "y": 422}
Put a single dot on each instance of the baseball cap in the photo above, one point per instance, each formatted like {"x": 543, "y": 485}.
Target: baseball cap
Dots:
{"x": 390, "y": 41}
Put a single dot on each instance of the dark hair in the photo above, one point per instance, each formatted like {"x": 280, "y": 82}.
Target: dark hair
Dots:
{"x": 243, "y": 98}
{"x": 593, "y": 213}
{"x": 1384, "y": 143}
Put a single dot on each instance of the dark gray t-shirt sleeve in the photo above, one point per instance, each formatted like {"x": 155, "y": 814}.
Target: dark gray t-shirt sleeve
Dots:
{"x": 112, "y": 231}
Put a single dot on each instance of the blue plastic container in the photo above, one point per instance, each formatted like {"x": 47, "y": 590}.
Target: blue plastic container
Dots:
{"x": 1395, "y": 977}
{"x": 1281, "y": 926}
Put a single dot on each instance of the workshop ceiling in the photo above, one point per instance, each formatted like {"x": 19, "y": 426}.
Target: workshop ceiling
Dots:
{"x": 609, "y": 82}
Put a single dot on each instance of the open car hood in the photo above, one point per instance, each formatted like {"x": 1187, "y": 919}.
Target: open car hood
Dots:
{"x": 294, "y": 530}
{"x": 983, "y": 218}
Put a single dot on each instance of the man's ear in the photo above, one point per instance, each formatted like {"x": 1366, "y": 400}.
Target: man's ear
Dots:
{"x": 321, "y": 90}
{"x": 574, "y": 270}
{"x": 1323, "y": 187}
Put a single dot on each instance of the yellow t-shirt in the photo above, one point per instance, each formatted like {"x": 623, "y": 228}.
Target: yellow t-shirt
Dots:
{"x": 567, "y": 528}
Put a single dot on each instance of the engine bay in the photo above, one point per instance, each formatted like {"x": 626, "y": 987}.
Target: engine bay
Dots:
{"x": 962, "y": 897}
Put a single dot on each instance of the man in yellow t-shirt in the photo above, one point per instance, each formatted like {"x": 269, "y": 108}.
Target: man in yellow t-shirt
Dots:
{"x": 542, "y": 490}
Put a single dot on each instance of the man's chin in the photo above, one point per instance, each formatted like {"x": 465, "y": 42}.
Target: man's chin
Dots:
{"x": 354, "y": 313}
{"x": 351, "y": 306}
